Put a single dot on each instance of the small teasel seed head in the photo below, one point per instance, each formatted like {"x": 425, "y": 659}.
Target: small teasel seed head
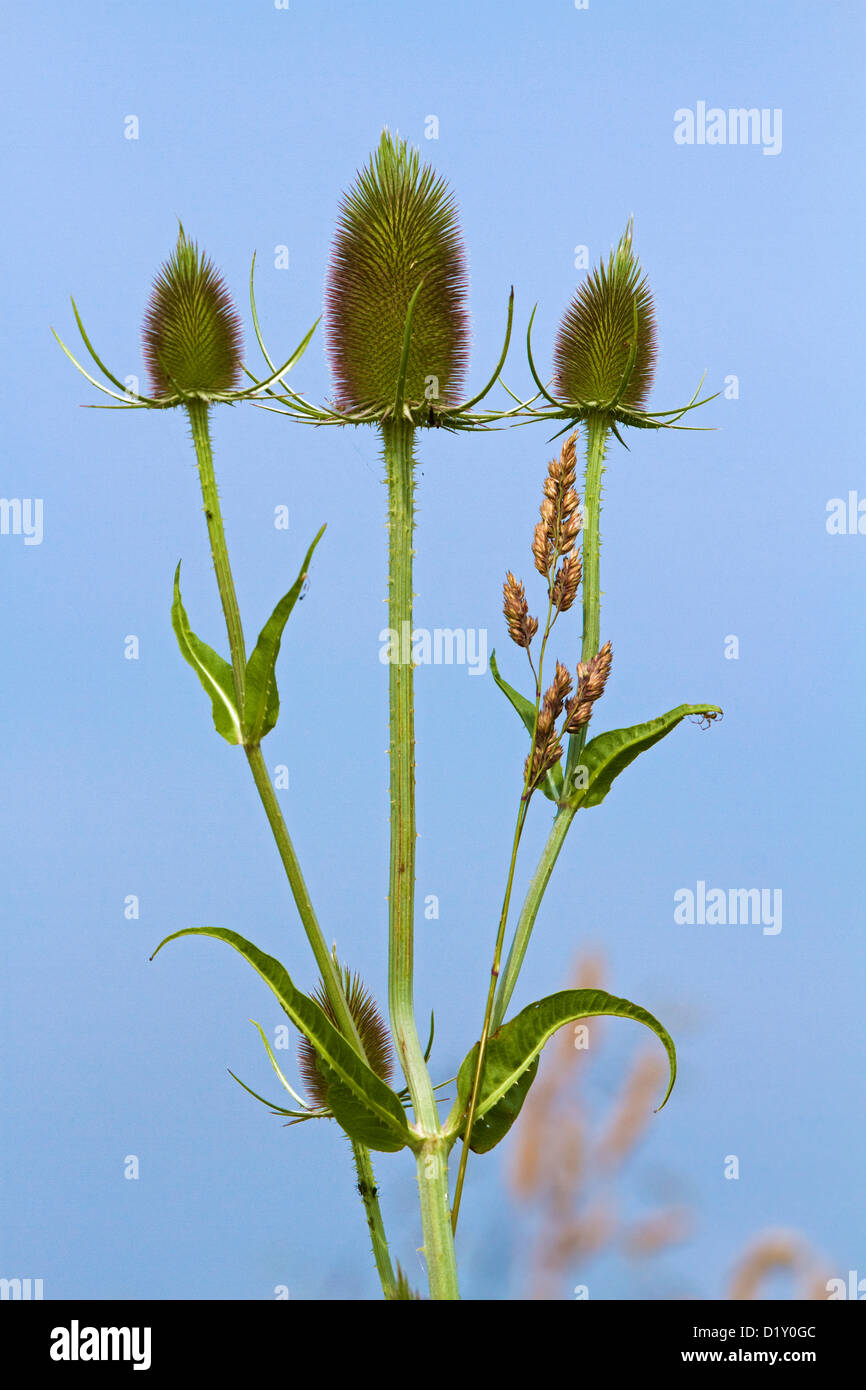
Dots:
{"x": 192, "y": 336}
{"x": 371, "y": 1027}
{"x": 521, "y": 627}
{"x": 596, "y": 334}
{"x": 397, "y": 229}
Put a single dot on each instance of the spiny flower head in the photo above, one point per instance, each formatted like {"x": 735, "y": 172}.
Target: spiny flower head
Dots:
{"x": 372, "y": 1030}
{"x": 596, "y": 335}
{"x": 397, "y": 229}
{"x": 192, "y": 333}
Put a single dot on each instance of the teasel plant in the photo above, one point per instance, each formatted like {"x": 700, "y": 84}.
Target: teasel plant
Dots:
{"x": 397, "y": 331}
{"x": 192, "y": 344}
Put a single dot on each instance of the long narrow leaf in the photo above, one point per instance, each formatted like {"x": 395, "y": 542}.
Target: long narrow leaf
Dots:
{"x": 212, "y": 670}
{"x": 261, "y": 699}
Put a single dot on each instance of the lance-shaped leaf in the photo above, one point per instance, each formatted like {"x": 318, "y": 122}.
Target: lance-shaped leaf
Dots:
{"x": 212, "y": 670}
{"x": 605, "y": 757}
{"x": 552, "y": 784}
{"x": 513, "y": 1054}
{"x": 261, "y": 698}
{"x": 364, "y": 1105}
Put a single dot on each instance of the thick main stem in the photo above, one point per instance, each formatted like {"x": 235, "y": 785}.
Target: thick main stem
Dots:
{"x": 198, "y": 417}
{"x": 398, "y": 437}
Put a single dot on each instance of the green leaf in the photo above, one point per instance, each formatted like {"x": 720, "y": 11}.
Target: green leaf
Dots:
{"x": 552, "y": 784}
{"x": 608, "y": 755}
{"x": 369, "y": 1110}
{"x": 513, "y": 1055}
{"x": 261, "y": 700}
{"x": 214, "y": 673}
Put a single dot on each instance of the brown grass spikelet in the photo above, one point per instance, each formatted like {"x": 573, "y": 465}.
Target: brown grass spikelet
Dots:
{"x": 591, "y": 679}
{"x": 521, "y": 627}
{"x": 555, "y": 534}
{"x": 547, "y": 749}
{"x": 371, "y": 1026}
{"x": 567, "y": 582}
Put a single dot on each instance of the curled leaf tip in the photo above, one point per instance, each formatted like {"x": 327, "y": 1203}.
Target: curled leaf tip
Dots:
{"x": 192, "y": 336}
{"x": 397, "y": 237}
{"x": 598, "y": 358}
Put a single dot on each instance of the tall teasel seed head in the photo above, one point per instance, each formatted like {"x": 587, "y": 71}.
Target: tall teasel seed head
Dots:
{"x": 371, "y": 1027}
{"x": 397, "y": 229}
{"x": 591, "y": 679}
{"x": 192, "y": 333}
{"x": 596, "y": 335}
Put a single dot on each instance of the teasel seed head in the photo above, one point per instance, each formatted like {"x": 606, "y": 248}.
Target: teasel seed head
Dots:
{"x": 373, "y": 1033}
{"x": 192, "y": 338}
{"x": 596, "y": 334}
{"x": 397, "y": 229}
{"x": 591, "y": 679}
{"x": 521, "y": 627}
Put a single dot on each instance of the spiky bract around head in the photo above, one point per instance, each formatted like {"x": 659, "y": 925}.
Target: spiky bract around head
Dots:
{"x": 596, "y": 335}
{"x": 397, "y": 228}
{"x": 192, "y": 333}
{"x": 371, "y": 1027}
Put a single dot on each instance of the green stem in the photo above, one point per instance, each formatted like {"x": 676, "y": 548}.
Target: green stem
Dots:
{"x": 487, "y": 1026}
{"x": 198, "y": 419}
{"x": 398, "y": 435}
{"x": 370, "y": 1197}
{"x": 198, "y": 416}
{"x": 529, "y": 912}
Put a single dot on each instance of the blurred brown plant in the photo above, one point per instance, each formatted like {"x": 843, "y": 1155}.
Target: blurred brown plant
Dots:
{"x": 565, "y": 1170}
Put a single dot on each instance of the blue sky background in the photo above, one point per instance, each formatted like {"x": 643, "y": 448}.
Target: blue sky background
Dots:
{"x": 554, "y": 126}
